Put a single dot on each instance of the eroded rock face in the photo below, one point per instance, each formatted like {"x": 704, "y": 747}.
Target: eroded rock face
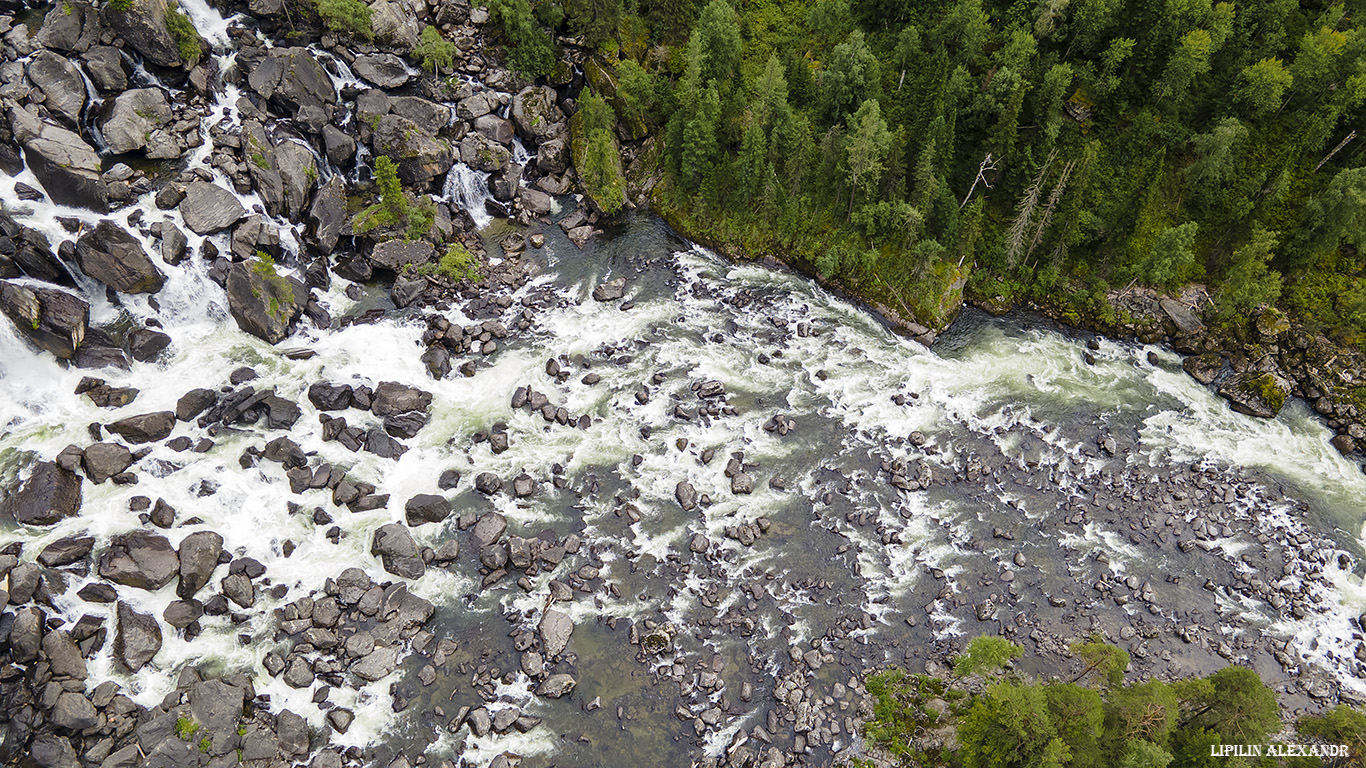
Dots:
{"x": 51, "y": 494}
{"x": 51, "y": 318}
{"x": 117, "y": 259}
{"x": 263, "y": 303}
{"x": 142, "y": 24}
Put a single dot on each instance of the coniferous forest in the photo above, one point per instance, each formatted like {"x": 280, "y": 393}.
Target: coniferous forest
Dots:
{"x": 1050, "y": 150}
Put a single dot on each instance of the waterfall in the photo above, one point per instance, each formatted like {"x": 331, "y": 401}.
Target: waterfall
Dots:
{"x": 469, "y": 189}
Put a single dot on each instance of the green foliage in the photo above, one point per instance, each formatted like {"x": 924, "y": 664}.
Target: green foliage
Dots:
{"x": 1236, "y": 705}
{"x": 1009, "y": 726}
{"x": 394, "y": 208}
{"x": 1339, "y": 725}
{"x": 184, "y": 34}
{"x": 346, "y": 17}
{"x": 390, "y": 189}
{"x": 121, "y": 5}
{"x": 456, "y": 264}
{"x": 985, "y": 654}
{"x": 636, "y": 91}
{"x": 1101, "y": 657}
{"x": 601, "y": 172}
{"x": 1171, "y": 257}
{"x": 435, "y": 52}
{"x": 1248, "y": 282}
{"x": 185, "y": 727}
{"x": 530, "y": 50}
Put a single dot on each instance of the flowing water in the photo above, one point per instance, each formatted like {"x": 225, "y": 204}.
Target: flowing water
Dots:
{"x": 1005, "y": 413}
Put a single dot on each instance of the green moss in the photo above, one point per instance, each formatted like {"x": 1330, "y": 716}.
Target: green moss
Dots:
{"x": 457, "y": 263}
{"x": 260, "y": 161}
{"x": 1266, "y": 388}
{"x": 278, "y": 286}
{"x": 185, "y": 35}
{"x": 205, "y": 745}
{"x": 121, "y": 5}
{"x": 185, "y": 727}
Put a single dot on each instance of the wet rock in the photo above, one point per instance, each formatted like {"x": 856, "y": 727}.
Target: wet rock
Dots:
{"x": 385, "y": 70}
{"x": 68, "y": 167}
{"x": 427, "y": 508}
{"x": 262, "y": 302}
{"x": 74, "y": 712}
{"x": 397, "y": 551}
{"x": 377, "y": 665}
{"x": 61, "y": 83}
{"x": 326, "y": 396}
{"x": 420, "y": 155}
{"x": 523, "y": 486}
{"x": 340, "y": 719}
{"x": 686, "y": 495}
{"x": 394, "y": 255}
{"x": 63, "y": 656}
{"x": 115, "y": 258}
{"x": 74, "y": 28}
{"x": 52, "y": 751}
{"x": 102, "y": 461}
{"x": 699, "y": 544}
{"x": 145, "y": 344}
{"x": 139, "y": 559}
{"x": 132, "y": 118}
{"x": 182, "y": 613}
{"x": 66, "y": 551}
{"x": 238, "y": 588}
{"x": 392, "y": 398}
{"x": 53, "y": 319}
{"x": 484, "y": 154}
{"x": 488, "y": 483}
{"x": 611, "y": 290}
{"x": 208, "y": 208}
{"x": 298, "y": 674}
{"x": 536, "y": 112}
{"x": 144, "y": 428}
{"x": 488, "y": 529}
{"x": 137, "y": 639}
{"x": 555, "y": 629}
{"x": 292, "y": 78}
{"x": 26, "y": 634}
{"x": 104, "y": 63}
{"x": 142, "y": 24}
{"x": 1256, "y": 394}
{"x": 556, "y": 685}
{"x": 51, "y": 494}
{"x": 1203, "y": 368}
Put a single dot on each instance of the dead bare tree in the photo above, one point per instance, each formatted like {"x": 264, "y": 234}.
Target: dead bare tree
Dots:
{"x": 1336, "y": 150}
{"x": 1053, "y": 199}
{"x": 1024, "y": 211}
{"x": 988, "y": 164}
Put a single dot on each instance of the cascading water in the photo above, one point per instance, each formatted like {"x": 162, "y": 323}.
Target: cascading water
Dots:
{"x": 469, "y": 189}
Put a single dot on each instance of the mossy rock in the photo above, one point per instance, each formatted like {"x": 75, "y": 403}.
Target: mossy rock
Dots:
{"x": 1256, "y": 394}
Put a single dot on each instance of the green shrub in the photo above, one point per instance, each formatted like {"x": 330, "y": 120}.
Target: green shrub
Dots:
{"x": 121, "y": 5}
{"x": 457, "y": 263}
{"x": 346, "y": 17}
{"x": 185, "y": 35}
{"x": 530, "y": 50}
{"x": 434, "y": 51}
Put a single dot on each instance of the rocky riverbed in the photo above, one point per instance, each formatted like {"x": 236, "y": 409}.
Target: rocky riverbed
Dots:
{"x": 275, "y": 495}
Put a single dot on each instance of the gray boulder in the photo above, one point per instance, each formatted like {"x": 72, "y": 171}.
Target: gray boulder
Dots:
{"x": 72, "y": 27}
{"x": 51, "y": 494}
{"x": 536, "y": 113}
{"x": 142, "y": 24}
{"x": 136, "y": 640}
{"x": 64, "y": 656}
{"x": 117, "y": 259}
{"x": 68, "y": 167}
{"x": 426, "y": 508}
{"x": 377, "y": 665}
{"x": 61, "y": 83}
{"x": 484, "y": 154}
{"x": 102, "y": 461}
{"x": 556, "y": 686}
{"x": 428, "y": 115}
{"x": 327, "y": 215}
{"x": 395, "y": 22}
{"x": 1256, "y": 394}
{"x": 396, "y": 254}
{"x": 139, "y": 559}
{"x": 475, "y": 105}
{"x": 144, "y": 428}
{"x": 51, "y": 318}
{"x": 104, "y": 63}
{"x": 209, "y": 208}
{"x": 262, "y": 302}
{"x": 394, "y": 398}
{"x": 292, "y": 78}
{"x": 555, "y": 629}
{"x": 67, "y": 550}
{"x": 385, "y": 70}
{"x": 495, "y": 127}
{"x": 132, "y": 116}
{"x": 26, "y": 634}
{"x": 398, "y": 552}
{"x": 198, "y": 558}
{"x": 420, "y": 155}
{"x": 74, "y": 712}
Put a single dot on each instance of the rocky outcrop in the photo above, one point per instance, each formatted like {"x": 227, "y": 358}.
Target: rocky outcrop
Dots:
{"x": 61, "y": 83}
{"x": 1256, "y": 394}
{"x": 51, "y": 318}
{"x": 262, "y": 302}
{"x": 292, "y": 79}
{"x": 68, "y": 167}
{"x": 142, "y": 24}
{"x": 51, "y": 494}
{"x": 132, "y": 116}
{"x": 116, "y": 258}
{"x": 420, "y": 155}
{"x": 394, "y": 255}
{"x": 536, "y": 113}
{"x": 208, "y": 208}
{"x": 72, "y": 27}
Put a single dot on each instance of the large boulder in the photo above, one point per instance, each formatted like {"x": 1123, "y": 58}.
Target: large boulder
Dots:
{"x": 430, "y": 116}
{"x": 61, "y": 83}
{"x": 327, "y": 215}
{"x": 555, "y": 629}
{"x": 264, "y": 303}
{"x": 139, "y": 559}
{"x": 71, "y": 26}
{"x": 142, "y": 24}
{"x": 420, "y": 155}
{"x": 292, "y": 79}
{"x": 104, "y": 63}
{"x": 395, "y": 22}
{"x": 484, "y": 154}
{"x": 536, "y": 114}
{"x": 144, "y": 428}
{"x": 385, "y": 70}
{"x": 51, "y": 318}
{"x": 198, "y": 558}
{"x": 102, "y": 461}
{"x": 1256, "y": 394}
{"x": 116, "y": 258}
{"x": 209, "y": 208}
{"x": 51, "y": 494}
{"x": 397, "y": 551}
{"x": 426, "y": 508}
{"x": 136, "y": 640}
{"x": 396, "y": 254}
{"x": 68, "y": 168}
{"x": 394, "y": 398}
{"x": 131, "y": 117}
